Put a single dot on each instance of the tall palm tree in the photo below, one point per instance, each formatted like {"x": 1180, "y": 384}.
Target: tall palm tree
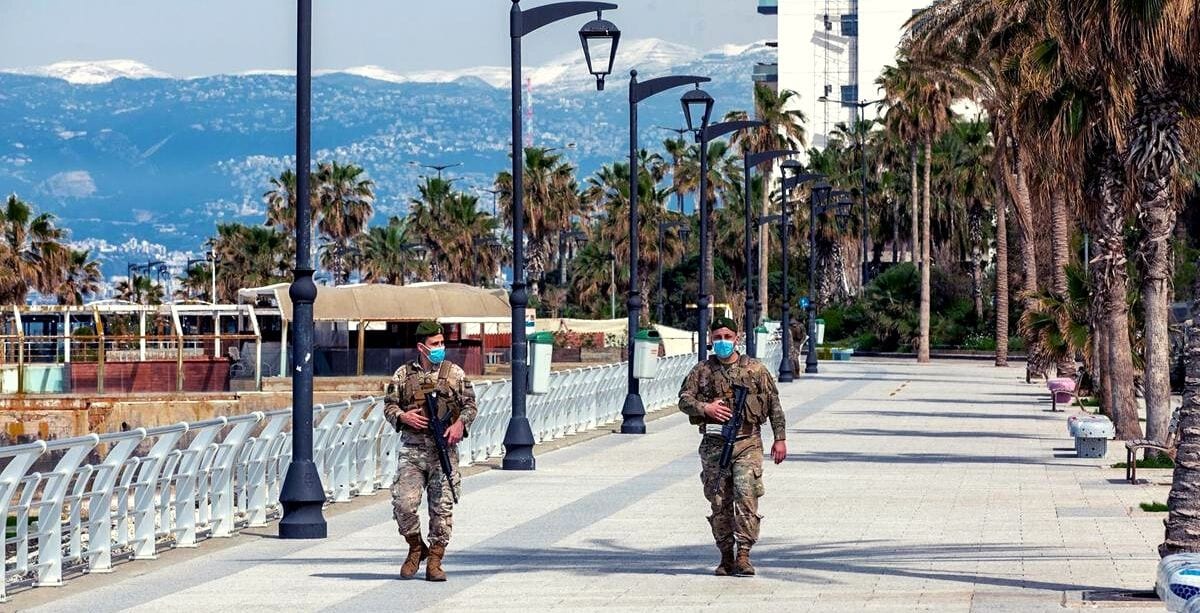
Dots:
{"x": 140, "y": 289}
{"x": 32, "y": 254}
{"x": 345, "y": 203}
{"x": 724, "y": 177}
{"x": 783, "y": 128}
{"x": 386, "y": 255}
{"x": 80, "y": 279}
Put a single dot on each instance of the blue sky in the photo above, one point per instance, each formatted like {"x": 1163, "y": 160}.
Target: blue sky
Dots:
{"x": 188, "y": 38}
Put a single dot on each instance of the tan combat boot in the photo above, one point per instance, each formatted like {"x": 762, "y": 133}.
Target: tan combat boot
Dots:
{"x": 725, "y": 568}
{"x": 417, "y": 551}
{"x": 742, "y": 566}
{"x": 433, "y": 568}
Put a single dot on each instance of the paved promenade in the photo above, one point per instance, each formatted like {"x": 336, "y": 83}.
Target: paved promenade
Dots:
{"x": 908, "y": 488}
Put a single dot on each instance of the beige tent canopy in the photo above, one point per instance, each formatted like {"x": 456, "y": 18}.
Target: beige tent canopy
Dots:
{"x": 445, "y": 302}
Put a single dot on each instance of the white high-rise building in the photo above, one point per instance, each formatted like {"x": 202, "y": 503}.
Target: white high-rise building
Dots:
{"x": 834, "y": 49}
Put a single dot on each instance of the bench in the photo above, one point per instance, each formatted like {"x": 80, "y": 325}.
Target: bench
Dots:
{"x": 1062, "y": 390}
{"x": 1091, "y": 433}
{"x": 1169, "y": 447}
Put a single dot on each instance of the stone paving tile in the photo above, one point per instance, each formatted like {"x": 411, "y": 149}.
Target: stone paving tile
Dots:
{"x": 940, "y": 488}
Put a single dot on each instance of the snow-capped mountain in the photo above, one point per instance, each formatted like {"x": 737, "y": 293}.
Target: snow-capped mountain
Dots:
{"x": 119, "y": 151}
{"x": 94, "y": 73}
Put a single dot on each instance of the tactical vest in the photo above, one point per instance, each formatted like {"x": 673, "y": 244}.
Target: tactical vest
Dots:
{"x": 414, "y": 389}
{"x": 717, "y": 384}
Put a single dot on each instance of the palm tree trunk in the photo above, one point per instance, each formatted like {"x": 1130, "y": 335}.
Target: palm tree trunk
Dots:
{"x": 1060, "y": 251}
{"x": 1183, "y": 503}
{"x": 1155, "y": 155}
{"x": 1112, "y": 291}
{"x": 915, "y": 226}
{"x": 1001, "y": 280}
{"x": 926, "y": 263}
{"x": 976, "y": 268}
{"x": 1018, "y": 187}
{"x": 764, "y": 251}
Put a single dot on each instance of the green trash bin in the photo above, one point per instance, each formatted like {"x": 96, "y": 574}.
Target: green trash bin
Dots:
{"x": 645, "y": 354}
{"x": 541, "y": 353}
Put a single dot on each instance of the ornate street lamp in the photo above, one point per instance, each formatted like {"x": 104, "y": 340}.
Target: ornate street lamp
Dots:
{"x": 633, "y": 412}
{"x": 698, "y": 106}
{"x": 302, "y": 494}
{"x": 749, "y": 163}
{"x": 599, "y": 39}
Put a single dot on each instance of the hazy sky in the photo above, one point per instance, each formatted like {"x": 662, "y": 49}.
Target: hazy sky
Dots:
{"x": 188, "y": 38}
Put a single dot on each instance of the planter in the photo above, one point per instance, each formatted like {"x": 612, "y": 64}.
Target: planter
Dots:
{"x": 841, "y": 355}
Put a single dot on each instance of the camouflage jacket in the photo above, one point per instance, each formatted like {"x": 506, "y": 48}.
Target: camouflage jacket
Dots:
{"x": 406, "y": 392}
{"x": 711, "y": 380}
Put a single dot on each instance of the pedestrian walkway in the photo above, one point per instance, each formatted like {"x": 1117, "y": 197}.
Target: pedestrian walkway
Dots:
{"x": 941, "y": 488}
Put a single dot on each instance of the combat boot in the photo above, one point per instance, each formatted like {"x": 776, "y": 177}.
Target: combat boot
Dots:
{"x": 433, "y": 568}
{"x": 725, "y": 568}
{"x": 742, "y": 566}
{"x": 417, "y": 551}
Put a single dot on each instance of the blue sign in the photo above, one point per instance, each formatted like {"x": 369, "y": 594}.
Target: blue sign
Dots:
{"x": 804, "y": 302}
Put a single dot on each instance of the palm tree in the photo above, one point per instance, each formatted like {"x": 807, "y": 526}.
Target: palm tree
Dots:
{"x": 345, "y": 205}
{"x": 724, "y": 177}
{"x": 386, "y": 255}
{"x": 140, "y": 289}
{"x": 80, "y": 279}
{"x": 195, "y": 282}
{"x": 32, "y": 255}
{"x": 783, "y": 128}
{"x": 251, "y": 256}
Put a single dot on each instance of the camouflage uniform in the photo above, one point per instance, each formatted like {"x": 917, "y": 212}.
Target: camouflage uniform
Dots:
{"x": 734, "y": 491}
{"x": 419, "y": 466}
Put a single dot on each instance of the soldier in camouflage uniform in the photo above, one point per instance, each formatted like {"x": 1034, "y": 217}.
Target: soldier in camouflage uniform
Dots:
{"x": 707, "y": 398}
{"x": 420, "y": 470}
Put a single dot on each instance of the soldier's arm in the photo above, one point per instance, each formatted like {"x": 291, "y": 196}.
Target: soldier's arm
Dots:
{"x": 393, "y": 402}
{"x": 774, "y": 409}
{"x": 690, "y": 403}
{"x": 466, "y": 398}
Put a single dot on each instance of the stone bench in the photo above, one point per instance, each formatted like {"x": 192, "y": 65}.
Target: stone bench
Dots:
{"x": 1091, "y": 433}
{"x": 1062, "y": 390}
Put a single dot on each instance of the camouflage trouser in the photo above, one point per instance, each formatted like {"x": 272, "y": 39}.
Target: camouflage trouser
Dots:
{"x": 420, "y": 471}
{"x": 733, "y": 492}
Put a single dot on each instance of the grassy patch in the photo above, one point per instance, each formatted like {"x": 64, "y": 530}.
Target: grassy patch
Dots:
{"x": 1088, "y": 402}
{"x": 1153, "y": 507}
{"x": 1154, "y": 461}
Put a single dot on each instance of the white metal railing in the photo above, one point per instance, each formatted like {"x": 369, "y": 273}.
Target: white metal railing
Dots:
{"x": 128, "y": 495}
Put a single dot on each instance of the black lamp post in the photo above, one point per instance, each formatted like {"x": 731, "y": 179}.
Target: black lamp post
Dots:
{"x": 599, "y": 39}
{"x": 633, "y": 413}
{"x": 438, "y": 167}
{"x": 697, "y": 104}
{"x": 818, "y": 203}
{"x": 749, "y": 163}
{"x": 495, "y": 193}
{"x": 302, "y": 493}
{"x": 663, "y": 226}
{"x": 797, "y": 178}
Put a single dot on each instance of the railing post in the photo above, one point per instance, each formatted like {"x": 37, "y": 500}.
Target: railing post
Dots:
{"x": 221, "y": 479}
{"x": 21, "y": 458}
{"x": 145, "y": 492}
{"x": 100, "y": 496}
{"x": 53, "y": 496}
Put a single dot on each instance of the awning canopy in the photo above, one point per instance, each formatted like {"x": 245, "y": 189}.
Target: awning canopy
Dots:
{"x": 378, "y": 302}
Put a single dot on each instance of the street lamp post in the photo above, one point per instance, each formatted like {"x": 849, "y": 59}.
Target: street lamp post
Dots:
{"x": 438, "y": 167}
{"x": 797, "y": 178}
{"x": 518, "y": 438}
{"x": 663, "y": 226}
{"x": 862, "y": 149}
{"x": 633, "y": 412}
{"x": 818, "y": 203}
{"x": 302, "y": 494}
{"x": 698, "y": 104}
{"x": 749, "y": 163}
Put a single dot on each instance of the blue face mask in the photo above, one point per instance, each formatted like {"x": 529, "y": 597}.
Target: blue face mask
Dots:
{"x": 436, "y": 355}
{"x": 723, "y": 349}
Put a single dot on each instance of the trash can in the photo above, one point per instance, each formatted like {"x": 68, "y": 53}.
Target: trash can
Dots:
{"x": 541, "y": 351}
{"x": 820, "y": 331}
{"x": 645, "y": 354}
{"x": 760, "y": 342}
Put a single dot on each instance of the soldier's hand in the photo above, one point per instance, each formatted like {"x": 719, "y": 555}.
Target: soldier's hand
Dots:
{"x": 717, "y": 411}
{"x": 414, "y": 419}
{"x": 454, "y": 433}
{"x": 779, "y": 451}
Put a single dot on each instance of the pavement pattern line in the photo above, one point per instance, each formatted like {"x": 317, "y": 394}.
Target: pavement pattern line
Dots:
{"x": 953, "y": 495}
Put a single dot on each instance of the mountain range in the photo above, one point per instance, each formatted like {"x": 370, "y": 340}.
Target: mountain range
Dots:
{"x": 138, "y": 163}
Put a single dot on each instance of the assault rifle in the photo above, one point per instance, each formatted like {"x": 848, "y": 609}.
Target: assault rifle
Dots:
{"x": 437, "y": 426}
{"x": 730, "y": 430}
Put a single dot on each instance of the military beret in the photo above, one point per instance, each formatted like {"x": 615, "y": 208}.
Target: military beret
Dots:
{"x": 429, "y": 328}
{"x": 723, "y": 322}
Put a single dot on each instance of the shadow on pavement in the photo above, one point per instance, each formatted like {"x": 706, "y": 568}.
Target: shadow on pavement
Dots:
{"x": 921, "y": 433}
